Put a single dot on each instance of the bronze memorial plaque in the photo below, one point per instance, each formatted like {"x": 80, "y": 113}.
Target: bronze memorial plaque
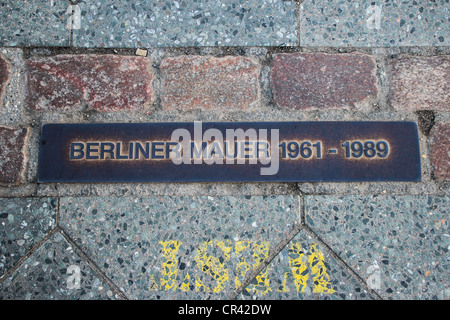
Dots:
{"x": 230, "y": 152}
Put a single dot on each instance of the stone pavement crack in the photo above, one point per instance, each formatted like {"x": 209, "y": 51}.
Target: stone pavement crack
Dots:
{"x": 343, "y": 264}
{"x": 89, "y": 261}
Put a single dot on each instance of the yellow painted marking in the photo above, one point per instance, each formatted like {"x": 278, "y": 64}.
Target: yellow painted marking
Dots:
{"x": 321, "y": 278}
{"x": 297, "y": 262}
{"x": 169, "y": 268}
{"x": 301, "y": 265}
{"x": 260, "y": 253}
{"x": 200, "y": 286}
{"x": 212, "y": 265}
{"x": 242, "y": 266}
{"x": 283, "y": 287}
{"x": 225, "y": 246}
{"x": 185, "y": 284}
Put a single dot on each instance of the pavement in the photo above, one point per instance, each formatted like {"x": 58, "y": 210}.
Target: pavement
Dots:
{"x": 244, "y": 241}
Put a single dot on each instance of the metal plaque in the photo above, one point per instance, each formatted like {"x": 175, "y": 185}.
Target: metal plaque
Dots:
{"x": 230, "y": 152}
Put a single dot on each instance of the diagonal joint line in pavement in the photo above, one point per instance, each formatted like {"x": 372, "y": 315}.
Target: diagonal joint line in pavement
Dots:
{"x": 266, "y": 261}
{"x": 92, "y": 264}
{"x": 28, "y": 254}
{"x": 343, "y": 264}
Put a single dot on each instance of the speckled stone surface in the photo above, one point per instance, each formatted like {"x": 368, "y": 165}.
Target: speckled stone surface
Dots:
{"x": 351, "y": 23}
{"x": 48, "y": 274}
{"x": 33, "y": 23}
{"x": 402, "y": 240}
{"x": 109, "y": 23}
{"x": 23, "y": 223}
{"x": 303, "y": 270}
{"x": 178, "y": 247}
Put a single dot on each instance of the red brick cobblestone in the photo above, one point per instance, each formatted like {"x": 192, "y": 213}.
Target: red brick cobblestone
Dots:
{"x": 321, "y": 80}
{"x": 100, "y": 82}
{"x": 440, "y": 151}
{"x": 421, "y": 83}
{"x": 225, "y": 83}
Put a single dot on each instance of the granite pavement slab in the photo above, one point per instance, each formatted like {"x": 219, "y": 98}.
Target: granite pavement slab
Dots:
{"x": 23, "y": 223}
{"x": 182, "y": 23}
{"x": 179, "y": 247}
{"x": 34, "y": 23}
{"x": 55, "y": 272}
{"x": 350, "y": 23}
{"x": 303, "y": 270}
{"x": 398, "y": 244}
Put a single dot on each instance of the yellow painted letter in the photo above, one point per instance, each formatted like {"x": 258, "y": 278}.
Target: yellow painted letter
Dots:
{"x": 169, "y": 268}
{"x": 212, "y": 265}
{"x": 320, "y": 276}
{"x": 298, "y": 266}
